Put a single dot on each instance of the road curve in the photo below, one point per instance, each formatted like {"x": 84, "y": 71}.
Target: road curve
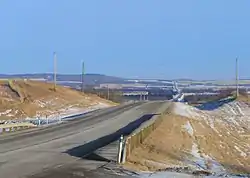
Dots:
{"x": 17, "y": 140}
{"x": 30, "y": 152}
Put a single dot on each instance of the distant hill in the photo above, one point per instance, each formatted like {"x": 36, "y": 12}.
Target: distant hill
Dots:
{"x": 184, "y": 79}
{"x": 89, "y": 79}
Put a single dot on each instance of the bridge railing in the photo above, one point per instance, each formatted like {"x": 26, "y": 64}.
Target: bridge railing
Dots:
{"x": 135, "y": 93}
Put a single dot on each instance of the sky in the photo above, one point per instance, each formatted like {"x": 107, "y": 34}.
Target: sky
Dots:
{"x": 131, "y": 38}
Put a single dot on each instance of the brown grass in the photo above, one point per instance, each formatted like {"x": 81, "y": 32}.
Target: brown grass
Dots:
{"x": 23, "y": 98}
{"x": 244, "y": 98}
{"x": 170, "y": 145}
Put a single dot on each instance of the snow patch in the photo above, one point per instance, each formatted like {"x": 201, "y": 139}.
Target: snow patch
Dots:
{"x": 71, "y": 112}
{"x": 213, "y": 165}
{"x": 198, "y": 160}
{"x": 182, "y": 110}
{"x": 189, "y": 128}
{"x": 40, "y": 103}
{"x": 205, "y": 162}
{"x": 232, "y": 114}
{"x": 239, "y": 109}
{"x": 241, "y": 152}
{"x": 5, "y": 112}
{"x": 165, "y": 174}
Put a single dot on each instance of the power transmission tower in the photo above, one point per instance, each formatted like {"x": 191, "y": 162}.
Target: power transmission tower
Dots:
{"x": 237, "y": 78}
{"x": 55, "y": 70}
{"x": 83, "y": 73}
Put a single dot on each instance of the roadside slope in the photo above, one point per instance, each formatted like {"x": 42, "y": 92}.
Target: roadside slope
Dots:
{"x": 23, "y": 98}
{"x": 214, "y": 140}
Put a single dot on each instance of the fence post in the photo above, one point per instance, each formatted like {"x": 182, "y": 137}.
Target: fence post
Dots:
{"x": 128, "y": 148}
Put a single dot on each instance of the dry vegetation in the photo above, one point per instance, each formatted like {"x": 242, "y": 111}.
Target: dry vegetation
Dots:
{"x": 244, "y": 98}
{"x": 25, "y": 98}
{"x": 216, "y": 140}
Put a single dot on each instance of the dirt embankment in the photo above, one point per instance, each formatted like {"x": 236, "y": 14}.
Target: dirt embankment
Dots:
{"x": 25, "y": 98}
{"x": 213, "y": 139}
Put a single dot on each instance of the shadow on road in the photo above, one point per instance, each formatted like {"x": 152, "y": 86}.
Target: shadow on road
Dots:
{"x": 95, "y": 157}
{"x": 209, "y": 106}
{"x": 86, "y": 151}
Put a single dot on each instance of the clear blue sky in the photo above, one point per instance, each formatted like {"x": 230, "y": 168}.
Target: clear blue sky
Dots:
{"x": 131, "y": 38}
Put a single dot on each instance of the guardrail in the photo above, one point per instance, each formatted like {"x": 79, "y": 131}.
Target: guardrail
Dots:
{"x": 56, "y": 119}
{"x": 43, "y": 121}
{"x": 15, "y": 127}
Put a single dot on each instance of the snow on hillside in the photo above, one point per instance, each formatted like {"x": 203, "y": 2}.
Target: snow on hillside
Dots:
{"x": 228, "y": 127}
{"x": 234, "y": 114}
{"x": 213, "y": 138}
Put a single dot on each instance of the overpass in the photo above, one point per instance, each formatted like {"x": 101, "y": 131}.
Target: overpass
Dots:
{"x": 142, "y": 94}
{"x": 135, "y": 93}
{"x": 29, "y": 153}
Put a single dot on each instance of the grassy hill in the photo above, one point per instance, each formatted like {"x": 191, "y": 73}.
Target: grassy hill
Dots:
{"x": 25, "y": 98}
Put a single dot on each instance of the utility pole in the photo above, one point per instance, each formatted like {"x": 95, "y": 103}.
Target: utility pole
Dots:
{"x": 108, "y": 91}
{"x": 237, "y": 78}
{"x": 83, "y": 73}
{"x": 55, "y": 67}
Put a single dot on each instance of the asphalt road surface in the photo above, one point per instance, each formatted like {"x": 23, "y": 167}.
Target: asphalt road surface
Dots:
{"x": 33, "y": 153}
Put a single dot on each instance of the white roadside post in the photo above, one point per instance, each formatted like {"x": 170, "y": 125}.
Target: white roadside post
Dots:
{"x": 123, "y": 159}
{"x": 39, "y": 121}
{"x": 120, "y": 148}
{"x": 60, "y": 119}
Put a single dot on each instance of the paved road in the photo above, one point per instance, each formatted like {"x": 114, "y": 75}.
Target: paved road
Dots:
{"x": 32, "y": 152}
